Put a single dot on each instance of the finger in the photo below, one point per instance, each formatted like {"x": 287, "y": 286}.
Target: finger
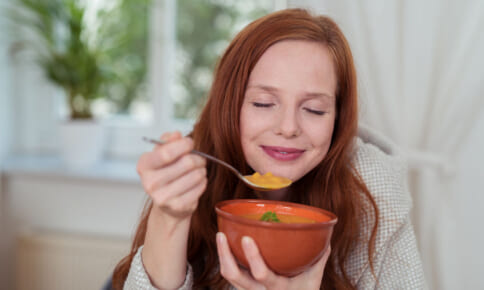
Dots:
{"x": 185, "y": 204}
{"x": 178, "y": 187}
{"x": 229, "y": 268}
{"x": 258, "y": 267}
{"x": 318, "y": 268}
{"x": 187, "y": 181}
{"x": 154, "y": 179}
{"x": 171, "y": 150}
{"x": 325, "y": 256}
{"x": 188, "y": 202}
{"x": 165, "y": 154}
{"x": 170, "y": 136}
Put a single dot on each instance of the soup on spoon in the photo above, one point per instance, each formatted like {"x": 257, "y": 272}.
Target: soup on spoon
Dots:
{"x": 268, "y": 181}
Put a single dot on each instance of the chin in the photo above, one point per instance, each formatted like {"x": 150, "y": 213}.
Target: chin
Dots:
{"x": 285, "y": 173}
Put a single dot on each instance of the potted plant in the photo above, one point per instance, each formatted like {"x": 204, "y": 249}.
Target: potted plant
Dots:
{"x": 69, "y": 59}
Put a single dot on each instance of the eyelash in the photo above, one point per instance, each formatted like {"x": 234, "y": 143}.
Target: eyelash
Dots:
{"x": 268, "y": 105}
{"x": 318, "y": 113}
{"x": 262, "y": 105}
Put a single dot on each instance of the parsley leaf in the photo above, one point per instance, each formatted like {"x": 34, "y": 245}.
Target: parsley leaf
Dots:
{"x": 270, "y": 216}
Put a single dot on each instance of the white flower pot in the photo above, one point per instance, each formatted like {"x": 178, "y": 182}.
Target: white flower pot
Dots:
{"x": 81, "y": 143}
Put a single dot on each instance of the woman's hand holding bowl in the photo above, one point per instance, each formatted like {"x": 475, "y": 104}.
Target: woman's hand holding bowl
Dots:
{"x": 259, "y": 275}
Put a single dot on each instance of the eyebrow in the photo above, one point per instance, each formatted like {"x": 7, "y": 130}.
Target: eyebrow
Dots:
{"x": 272, "y": 89}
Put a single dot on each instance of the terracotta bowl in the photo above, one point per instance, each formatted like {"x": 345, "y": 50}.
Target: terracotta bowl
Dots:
{"x": 287, "y": 249}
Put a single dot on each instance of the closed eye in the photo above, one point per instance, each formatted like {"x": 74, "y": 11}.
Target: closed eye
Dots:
{"x": 262, "y": 105}
{"x": 316, "y": 112}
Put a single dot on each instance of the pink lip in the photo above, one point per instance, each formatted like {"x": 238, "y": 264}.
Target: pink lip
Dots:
{"x": 282, "y": 153}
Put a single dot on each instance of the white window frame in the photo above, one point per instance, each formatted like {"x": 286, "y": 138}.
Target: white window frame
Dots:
{"x": 123, "y": 136}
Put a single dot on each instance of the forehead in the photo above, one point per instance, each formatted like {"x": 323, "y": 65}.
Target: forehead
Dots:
{"x": 295, "y": 64}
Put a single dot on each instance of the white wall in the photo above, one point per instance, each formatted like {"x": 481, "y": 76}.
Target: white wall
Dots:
{"x": 106, "y": 208}
{"x": 73, "y": 204}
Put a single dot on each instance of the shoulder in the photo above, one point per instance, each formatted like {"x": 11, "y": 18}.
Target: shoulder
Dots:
{"x": 383, "y": 168}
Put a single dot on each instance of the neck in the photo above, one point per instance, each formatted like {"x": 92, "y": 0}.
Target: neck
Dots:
{"x": 280, "y": 194}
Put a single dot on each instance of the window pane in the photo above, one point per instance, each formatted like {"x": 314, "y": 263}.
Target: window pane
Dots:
{"x": 121, "y": 29}
{"x": 204, "y": 29}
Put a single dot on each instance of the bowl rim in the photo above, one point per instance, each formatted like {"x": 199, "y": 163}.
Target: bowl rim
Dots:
{"x": 240, "y": 219}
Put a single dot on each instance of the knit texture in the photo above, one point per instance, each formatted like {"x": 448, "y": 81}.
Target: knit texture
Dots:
{"x": 138, "y": 278}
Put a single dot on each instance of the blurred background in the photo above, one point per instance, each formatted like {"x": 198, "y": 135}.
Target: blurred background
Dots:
{"x": 81, "y": 81}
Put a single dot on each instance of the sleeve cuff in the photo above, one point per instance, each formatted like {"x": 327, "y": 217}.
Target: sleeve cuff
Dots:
{"x": 138, "y": 278}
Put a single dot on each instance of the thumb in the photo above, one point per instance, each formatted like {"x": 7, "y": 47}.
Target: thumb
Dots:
{"x": 318, "y": 268}
{"x": 326, "y": 254}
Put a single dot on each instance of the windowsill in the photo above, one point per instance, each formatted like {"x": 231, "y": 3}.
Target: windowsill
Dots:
{"x": 120, "y": 171}
{"x": 39, "y": 192}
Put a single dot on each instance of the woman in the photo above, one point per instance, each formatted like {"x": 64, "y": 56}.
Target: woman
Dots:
{"x": 283, "y": 100}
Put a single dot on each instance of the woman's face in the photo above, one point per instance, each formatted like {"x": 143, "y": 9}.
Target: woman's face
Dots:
{"x": 289, "y": 110}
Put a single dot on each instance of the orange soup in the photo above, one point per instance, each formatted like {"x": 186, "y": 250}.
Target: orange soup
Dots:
{"x": 284, "y": 218}
{"x": 268, "y": 180}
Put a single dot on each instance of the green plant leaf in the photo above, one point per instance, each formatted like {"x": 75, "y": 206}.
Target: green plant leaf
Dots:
{"x": 62, "y": 49}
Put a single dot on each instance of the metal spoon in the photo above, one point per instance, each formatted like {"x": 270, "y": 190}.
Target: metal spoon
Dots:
{"x": 223, "y": 163}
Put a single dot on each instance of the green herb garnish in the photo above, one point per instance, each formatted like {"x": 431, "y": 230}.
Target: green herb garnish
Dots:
{"x": 270, "y": 216}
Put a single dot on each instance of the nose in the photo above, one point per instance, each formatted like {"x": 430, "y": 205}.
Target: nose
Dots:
{"x": 288, "y": 124}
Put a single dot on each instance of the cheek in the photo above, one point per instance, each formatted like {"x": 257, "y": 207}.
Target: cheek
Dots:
{"x": 245, "y": 125}
{"x": 321, "y": 136}
{"x": 253, "y": 122}
{"x": 248, "y": 129}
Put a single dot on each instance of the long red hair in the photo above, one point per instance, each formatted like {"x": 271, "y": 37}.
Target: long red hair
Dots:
{"x": 333, "y": 185}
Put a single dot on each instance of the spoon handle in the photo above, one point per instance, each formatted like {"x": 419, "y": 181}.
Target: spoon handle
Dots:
{"x": 214, "y": 159}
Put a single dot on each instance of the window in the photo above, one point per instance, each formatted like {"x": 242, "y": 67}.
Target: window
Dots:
{"x": 161, "y": 56}
{"x": 120, "y": 29}
{"x": 204, "y": 29}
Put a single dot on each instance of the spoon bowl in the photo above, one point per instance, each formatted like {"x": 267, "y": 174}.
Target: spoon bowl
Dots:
{"x": 244, "y": 178}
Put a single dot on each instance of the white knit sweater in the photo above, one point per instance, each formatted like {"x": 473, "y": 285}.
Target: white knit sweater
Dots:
{"x": 397, "y": 263}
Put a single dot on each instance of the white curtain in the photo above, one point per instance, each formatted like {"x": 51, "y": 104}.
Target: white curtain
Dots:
{"x": 421, "y": 68}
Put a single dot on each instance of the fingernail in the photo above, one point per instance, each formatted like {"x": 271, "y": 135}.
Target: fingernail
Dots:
{"x": 246, "y": 241}
{"x": 220, "y": 237}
